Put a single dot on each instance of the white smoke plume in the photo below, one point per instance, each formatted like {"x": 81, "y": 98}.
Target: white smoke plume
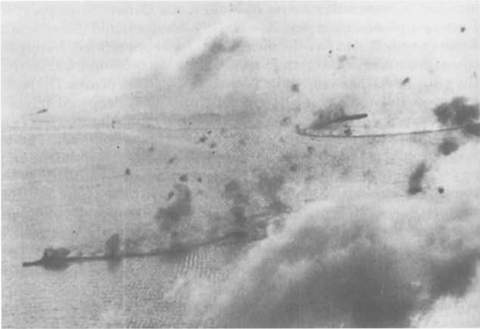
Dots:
{"x": 366, "y": 263}
{"x": 370, "y": 261}
{"x": 215, "y": 73}
{"x": 454, "y": 312}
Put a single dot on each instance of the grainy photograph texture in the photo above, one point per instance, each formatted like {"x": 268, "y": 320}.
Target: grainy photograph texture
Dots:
{"x": 240, "y": 164}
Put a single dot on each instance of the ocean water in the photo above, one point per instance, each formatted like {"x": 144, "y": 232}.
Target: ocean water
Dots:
{"x": 64, "y": 183}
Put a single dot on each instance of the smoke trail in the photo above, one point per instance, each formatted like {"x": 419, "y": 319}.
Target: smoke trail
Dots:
{"x": 326, "y": 116}
{"x": 239, "y": 200}
{"x": 269, "y": 187}
{"x": 169, "y": 218}
{"x": 200, "y": 66}
{"x": 416, "y": 178}
{"x": 112, "y": 246}
{"x": 168, "y": 80}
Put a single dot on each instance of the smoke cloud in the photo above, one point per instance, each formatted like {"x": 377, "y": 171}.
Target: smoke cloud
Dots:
{"x": 359, "y": 264}
{"x": 456, "y": 112}
{"x": 453, "y": 311}
{"x": 358, "y": 259}
{"x": 459, "y": 114}
{"x": 416, "y": 178}
{"x": 239, "y": 200}
{"x": 172, "y": 79}
{"x": 169, "y": 218}
{"x": 200, "y": 66}
{"x": 448, "y": 146}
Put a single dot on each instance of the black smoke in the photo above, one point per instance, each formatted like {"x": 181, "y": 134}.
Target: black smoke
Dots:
{"x": 239, "y": 199}
{"x": 199, "y": 67}
{"x": 269, "y": 186}
{"x": 169, "y": 217}
{"x": 415, "y": 180}
{"x": 112, "y": 246}
{"x": 459, "y": 114}
{"x": 448, "y": 146}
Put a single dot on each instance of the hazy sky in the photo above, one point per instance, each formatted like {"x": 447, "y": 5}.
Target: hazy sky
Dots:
{"x": 57, "y": 55}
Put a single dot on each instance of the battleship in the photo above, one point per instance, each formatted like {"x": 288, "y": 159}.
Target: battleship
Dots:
{"x": 320, "y": 129}
{"x": 58, "y": 258}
